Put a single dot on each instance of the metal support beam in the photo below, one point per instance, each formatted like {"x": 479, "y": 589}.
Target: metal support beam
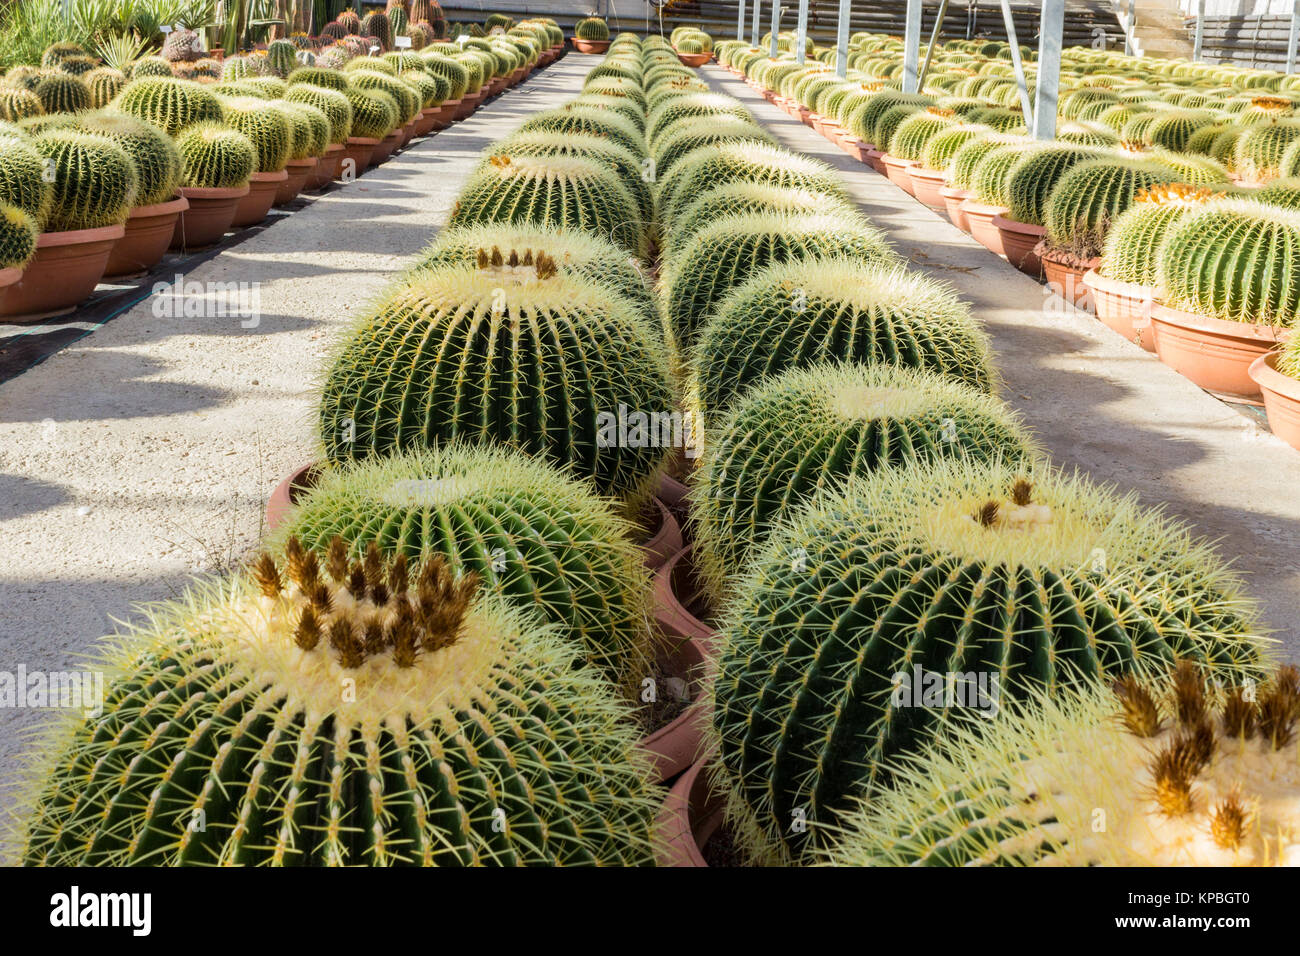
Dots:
{"x": 1129, "y": 28}
{"x": 1018, "y": 65}
{"x": 758, "y": 22}
{"x": 802, "y": 32}
{"x": 842, "y": 40}
{"x": 1199, "y": 41}
{"x": 1292, "y": 37}
{"x": 934, "y": 41}
{"x": 1050, "y": 32}
{"x": 776, "y": 28}
{"x": 911, "y": 45}
{"x": 740, "y": 23}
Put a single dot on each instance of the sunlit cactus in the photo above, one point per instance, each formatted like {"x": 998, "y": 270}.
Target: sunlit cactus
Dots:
{"x": 1091, "y": 195}
{"x": 1132, "y": 249}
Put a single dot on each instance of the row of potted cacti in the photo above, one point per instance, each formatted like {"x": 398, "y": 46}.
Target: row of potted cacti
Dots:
{"x": 866, "y": 512}
{"x": 1128, "y": 212}
{"x": 93, "y": 191}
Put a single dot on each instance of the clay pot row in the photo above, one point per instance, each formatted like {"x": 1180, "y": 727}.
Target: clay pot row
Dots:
{"x": 69, "y": 265}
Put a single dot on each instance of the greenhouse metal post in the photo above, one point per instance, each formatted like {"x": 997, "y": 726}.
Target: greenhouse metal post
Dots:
{"x": 1013, "y": 41}
{"x": 1051, "y": 30}
{"x": 802, "y": 33}
{"x": 757, "y": 24}
{"x": 1198, "y": 42}
{"x": 776, "y": 28}
{"x": 842, "y": 41}
{"x": 1291, "y": 38}
{"x": 911, "y": 45}
{"x": 740, "y": 23}
{"x": 934, "y": 41}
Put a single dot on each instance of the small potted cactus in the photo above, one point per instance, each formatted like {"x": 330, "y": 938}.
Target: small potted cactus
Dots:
{"x": 333, "y": 103}
{"x": 91, "y": 184}
{"x": 1025, "y": 188}
{"x": 217, "y": 163}
{"x": 1278, "y": 376}
{"x": 374, "y": 115}
{"x": 1228, "y": 291}
{"x": 308, "y": 138}
{"x": 693, "y": 51}
{"x": 270, "y": 133}
{"x": 157, "y": 204}
{"x": 988, "y": 199}
{"x": 591, "y": 35}
{"x": 1123, "y": 284}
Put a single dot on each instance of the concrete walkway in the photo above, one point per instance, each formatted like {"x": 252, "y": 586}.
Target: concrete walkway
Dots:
{"x": 1096, "y": 401}
{"x": 144, "y": 453}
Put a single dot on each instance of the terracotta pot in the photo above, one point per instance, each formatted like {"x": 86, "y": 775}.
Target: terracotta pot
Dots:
{"x": 387, "y": 146}
{"x": 1124, "y": 306}
{"x": 693, "y": 60}
{"x": 831, "y": 130}
{"x": 299, "y": 170}
{"x": 208, "y": 217}
{"x": 674, "y": 589}
{"x": 497, "y": 85}
{"x": 1281, "y": 398}
{"x": 875, "y": 159}
{"x": 1214, "y": 354}
{"x": 1019, "y": 240}
{"x": 672, "y": 492}
{"x": 255, "y": 206}
{"x": 8, "y": 278}
{"x": 856, "y": 148}
{"x": 327, "y": 167}
{"x": 953, "y": 200}
{"x": 926, "y": 184}
{"x": 427, "y": 121}
{"x": 979, "y": 218}
{"x": 359, "y": 150}
{"x": 804, "y": 114}
{"x": 691, "y": 814}
{"x": 897, "y": 170}
{"x": 148, "y": 234}
{"x": 518, "y": 75}
{"x": 665, "y": 538}
{"x": 406, "y": 132}
{"x": 62, "y": 274}
{"x": 283, "y": 496}
{"x": 676, "y": 745}
{"x": 1065, "y": 275}
{"x": 589, "y": 46}
{"x": 466, "y": 105}
{"x": 448, "y": 112}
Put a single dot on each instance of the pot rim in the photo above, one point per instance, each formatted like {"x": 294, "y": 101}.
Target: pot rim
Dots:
{"x": 1263, "y": 372}
{"x": 982, "y": 208}
{"x": 305, "y": 164}
{"x": 178, "y": 204}
{"x": 925, "y": 172}
{"x": 76, "y": 237}
{"x": 1094, "y": 279}
{"x": 952, "y": 192}
{"x": 278, "y": 176}
{"x": 1242, "y": 331}
{"x": 215, "y": 192}
{"x": 1015, "y": 225}
{"x": 363, "y": 141}
{"x": 11, "y": 275}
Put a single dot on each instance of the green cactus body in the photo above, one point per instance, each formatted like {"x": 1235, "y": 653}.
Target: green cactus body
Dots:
{"x": 18, "y": 235}
{"x": 1280, "y": 192}
{"x": 1088, "y": 134}
{"x": 807, "y": 429}
{"x": 1172, "y": 130}
{"x": 95, "y": 181}
{"x": 990, "y": 180}
{"x": 214, "y": 156}
{"x": 1117, "y": 117}
{"x": 335, "y": 105}
{"x": 408, "y": 102}
{"x": 567, "y": 191}
{"x": 742, "y": 162}
{"x": 589, "y": 121}
{"x": 720, "y": 257}
{"x": 1002, "y": 119}
{"x": 1234, "y": 260}
{"x": 454, "y": 72}
{"x": 23, "y": 182}
{"x": 1031, "y": 180}
{"x": 1132, "y": 249}
{"x": 378, "y": 27}
{"x": 1191, "y": 169}
{"x": 155, "y": 156}
{"x": 800, "y": 314}
{"x": 1186, "y": 775}
{"x": 171, "y": 105}
{"x": 1260, "y": 148}
{"x": 969, "y": 156}
{"x": 56, "y": 53}
{"x": 687, "y": 136}
{"x": 60, "y": 93}
{"x": 267, "y": 129}
{"x": 317, "y": 76}
{"x": 1091, "y": 195}
{"x": 592, "y": 28}
{"x": 732, "y": 199}
{"x": 104, "y": 84}
{"x": 465, "y": 735}
{"x": 540, "y": 360}
{"x": 943, "y": 146}
{"x": 861, "y": 122}
{"x": 17, "y": 104}
{"x": 374, "y": 113}
{"x": 1016, "y": 577}
{"x": 532, "y": 534}
{"x": 909, "y": 139}
{"x": 584, "y": 256}
{"x": 617, "y": 159}
{"x": 624, "y": 106}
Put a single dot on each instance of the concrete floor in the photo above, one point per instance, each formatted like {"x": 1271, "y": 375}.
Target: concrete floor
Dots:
{"x": 144, "y": 453}
{"x": 1096, "y": 401}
